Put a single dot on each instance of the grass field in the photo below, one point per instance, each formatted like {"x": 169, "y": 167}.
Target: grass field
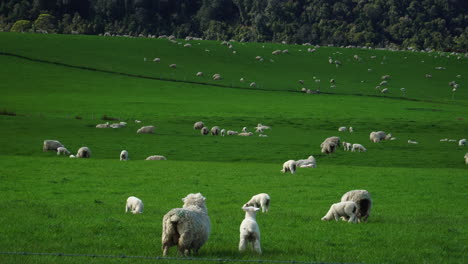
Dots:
{"x": 59, "y": 205}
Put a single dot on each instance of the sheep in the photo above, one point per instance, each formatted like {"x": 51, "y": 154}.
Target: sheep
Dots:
{"x": 244, "y": 129}
{"x": 173, "y": 66}
{"x": 258, "y": 58}
{"x": 245, "y": 134}
{"x": 342, "y": 209}
{"x": 342, "y": 129}
{"x": 385, "y": 77}
{"x": 466, "y": 158}
{"x": 462, "y": 142}
{"x": 351, "y": 130}
{"x": 105, "y": 125}
{"x": 137, "y": 121}
{"x": 260, "y": 126}
{"x": 384, "y": 90}
{"x": 301, "y": 81}
{"x": 262, "y": 135}
{"x": 118, "y": 125}
{"x": 156, "y": 157}
{"x": 289, "y": 166}
{"x": 62, "y": 151}
{"x": 188, "y": 227}
{"x": 217, "y": 77}
{"x": 146, "y": 130}
{"x": 199, "y": 74}
{"x": 330, "y": 144}
{"x": 378, "y": 136}
{"x": 383, "y": 83}
{"x": 253, "y": 85}
{"x": 428, "y": 76}
{"x": 232, "y": 132}
{"x": 204, "y": 131}
{"x": 157, "y": 60}
{"x": 83, "y": 152}
{"x": 124, "y": 155}
{"x": 347, "y": 146}
{"x": 285, "y": 51}
{"x": 241, "y": 79}
{"x": 223, "y": 132}
{"x": 50, "y": 144}
{"x": 198, "y": 125}
{"x": 215, "y": 131}
{"x": 249, "y": 230}
{"x": 261, "y": 200}
{"x": 358, "y": 147}
{"x": 363, "y": 200}
{"x": 134, "y": 205}
{"x": 310, "y": 162}
{"x": 187, "y": 45}
{"x": 276, "y": 52}
{"x": 412, "y": 141}
{"x": 72, "y": 156}
{"x": 332, "y": 80}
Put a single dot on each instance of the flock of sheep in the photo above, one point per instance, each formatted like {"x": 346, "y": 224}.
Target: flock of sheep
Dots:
{"x": 215, "y": 131}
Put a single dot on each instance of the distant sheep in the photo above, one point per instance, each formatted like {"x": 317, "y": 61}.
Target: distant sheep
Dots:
{"x": 310, "y": 162}
{"x": 385, "y": 77}
{"x": 351, "y": 130}
{"x": 258, "y": 58}
{"x": 378, "y": 136}
{"x": 342, "y": 129}
{"x": 262, "y": 127}
{"x": 198, "y": 125}
{"x": 215, "y": 131}
{"x": 359, "y": 148}
{"x": 62, "y": 151}
{"x": 173, "y": 66}
{"x": 244, "y": 129}
{"x": 285, "y": 51}
{"x": 223, "y": 132}
{"x": 289, "y": 166}
{"x": 204, "y": 131}
{"x": 51, "y": 145}
{"x": 232, "y": 132}
{"x": 347, "y": 210}
{"x": 157, "y": 60}
{"x": 347, "y": 146}
{"x": 124, "y": 155}
{"x": 146, "y": 130}
{"x": 134, "y": 205}
{"x": 187, "y": 45}
{"x": 199, "y": 74}
{"x": 330, "y": 144}
{"x": 412, "y": 141}
{"x": 253, "y": 84}
{"x": 245, "y": 134}
{"x": 466, "y": 158}
{"x": 276, "y": 52}
{"x": 217, "y": 77}
{"x": 83, "y": 152}
{"x": 261, "y": 200}
{"x": 363, "y": 200}
{"x": 249, "y": 230}
{"x": 105, "y": 125}
{"x": 156, "y": 157}
{"x": 462, "y": 142}
{"x": 188, "y": 227}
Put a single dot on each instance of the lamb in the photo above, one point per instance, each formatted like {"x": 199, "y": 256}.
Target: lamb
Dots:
{"x": 462, "y": 142}
{"x": 358, "y": 147}
{"x": 258, "y": 130}
{"x": 378, "y": 136}
{"x": 156, "y": 157}
{"x": 223, "y": 132}
{"x": 245, "y": 134}
{"x": 342, "y": 129}
{"x": 83, "y": 152}
{"x": 105, "y": 125}
{"x": 124, "y": 155}
{"x": 249, "y": 230}
{"x": 412, "y": 141}
{"x": 62, "y": 151}
{"x": 188, "y": 227}
{"x": 232, "y": 132}
{"x": 51, "y": 145}
{"x": 215, "y": 131}
{"x": 363, "y": 200}
{"x": 310, "y": 162}
{"x": 347, "y": 146}
{"x": 342, "y": 209}
{"x": 146, "y": 130}
{"x": 261, "y": 200}
{"x": 289, "y": 166}
{"x": 134, "y": 205}
{"x": 198, "y": 125}
{"x": 204, "y": 131}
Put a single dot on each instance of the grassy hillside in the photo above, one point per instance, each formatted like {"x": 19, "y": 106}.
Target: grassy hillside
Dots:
{"x": 57, "y": 204}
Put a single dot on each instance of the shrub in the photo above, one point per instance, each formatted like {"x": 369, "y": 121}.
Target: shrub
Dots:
{"x": 45, "y": 22}
{"x": 21, "y": 26}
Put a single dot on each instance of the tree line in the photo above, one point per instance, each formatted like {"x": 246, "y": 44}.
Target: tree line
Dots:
{"x": 434, "y": 24}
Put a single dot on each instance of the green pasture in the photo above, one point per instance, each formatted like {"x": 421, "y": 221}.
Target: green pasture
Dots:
{"x": 55, "y": 204}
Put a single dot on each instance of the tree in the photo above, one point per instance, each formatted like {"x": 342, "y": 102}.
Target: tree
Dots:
{"x": 45, "y": 22}
{"x": 21, "y": 26}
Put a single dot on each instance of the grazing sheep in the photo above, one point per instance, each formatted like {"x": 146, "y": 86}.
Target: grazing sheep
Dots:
{"x": 330, "y": 144}
{"x": 462, "y": 142}
{"x": 134, "y": 205}
{"x": 342, "y": 209}
{"x": 359, "y": 148}
{"x": 118, "y": 125}
{"x": 204, "y": 131}
{"x": 253, "y": 84}
{"x": 173, "y": 66}
{"x": 217, "y": 77}
{"x": 301, "y": 81}
{"x": 383, "y": 83}
{"x": 290, "y": 166}
{"x": 51, "y": 145}
{"x": 258, "y": 58}
{"x": 215, "y": 131}
{"x": 342, "y": 129}
{"x": 188, "y": 227}
{"x": 412, "y": 141}
{"x": 157, "y": 60}
{"x": 285, "y": 51}
{"x": 347, "y": 146}
{"x": 351, "y": 130}
{"x": 146, "y": 130}
{"x": 105, "y": 125}
{"x": 385, "y": 77}
{"x": 156, "y": 157}
{"x": 232, "y": 132}
{"x": 187, "y": 45}
{"x": 62, "y": 151}
{"x": 276, "y": 52}
{"x": 199, "y": 74}
{"x": 249, "y": 230}
{"x": 223, "y": 132}
{"x": 198, "y": 125}
{"x": 262, "y": 127}
{"x": 124, "y": 155}
{"x": 245, "y": 134}
{"x": 378, "y": 136}
{"x": 244, "y": 129}
{"x": 261, "y": 200}
{"x": 363, "y": 200}
{"x": 72, "y": 156}
{"x": 384, "y": 90}
{"x": 83, "y": 152}
{"x": 310, "y": 162}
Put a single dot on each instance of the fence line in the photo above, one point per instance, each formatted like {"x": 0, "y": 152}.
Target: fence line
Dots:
{"x": 219, "y": 260}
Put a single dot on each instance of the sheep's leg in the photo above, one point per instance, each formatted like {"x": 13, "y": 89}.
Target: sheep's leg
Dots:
{"x": 165, "y": 248}
{"x": 256, "y": 246}
{"x": 242, "y": 244}
{"x": 336, "y": 216}
{"x": 352, "y": 219}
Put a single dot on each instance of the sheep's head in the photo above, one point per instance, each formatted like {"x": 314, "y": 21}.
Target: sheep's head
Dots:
{"x": 194, "y": 199}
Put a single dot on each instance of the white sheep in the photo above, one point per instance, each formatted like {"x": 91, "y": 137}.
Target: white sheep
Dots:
{"x": 466, "y": 158}
{"x": 105, "y": 125}
{"x": 124, "y": 155}
{"x": 330, "y": 144}
{"x": 276, "y": 52}
{"x": 217, "y": 77}
{"x": 156, "y": 157}
{"x": 363, "y": 200}
{"x": 187, "y": 45}
{"x": 157, "y": 60}
{"x": 385, "y": 90}
{"x": 118, "y": 125}
{"x": 146, "y": 130}
{"x": 204, "y": 131}
{"x": 215, "y": 131}
{"x": 72, "y": 156}
{"x": 244, "y": 129}
{"x": 342, "y": 209}
{"x": 347, "y": 146}
{"x": 351, "y": 130}
{"x": 342, "y": 129}
{"x": 245, "y": 134}
{"x": 359, "y": 148}
{"x": 188, "y": 228}
{"x": 378, "y": 136}
{"x": 310, "y": 162}
{"x": 258, "y": 130}
{"x": 249, "y": 230}
{"x": 134, "y": 205}
{"x": 241, "y": 79}
{"x": 232, "y": 132}
{"x": 253, "y": 84}
{"x": 199, "y": 74}
{"x": 223, "y": 132}
{"x": 198, "y": 125}
{"x": 62, "y": 151}
{"x": 258, "y": 58}
{"x": 83, "y": 152}
{"x": 289, "y": 166}
{"x": 137, "y": 121}
{"x": 462, "y": 142}
{"x": 412, "y": 141}
{"x": 51, "y": 145}
{"x": 173, "y": 66}
{"x": 263, "y": 127}
{"x": 261, "y": 200}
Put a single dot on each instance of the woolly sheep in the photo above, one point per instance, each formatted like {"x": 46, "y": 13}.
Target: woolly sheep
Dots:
{"x": 245, "y": 134}
{"x": 215, "y": 131}
{"x": 188, "y": 227}
{"x": 146, "y": 130}
{"x": 385, "y": 77}
{"x": 276, "y": 52}
{"x": 377, "y": 136}
{"x": 198, "y": 125}
{"x": 156, "y": 157}
{"x": 347, "y": 146}
{"x": 72, "y": 156}
{"x": 157, "y": 60}
{"x": 244, "y": 129}
{"x": 258, "y": 130}
{"x": 199, "y": 74}
{"x": 384, "y": 90}
{"x": 363, "y": 200}
{"x": 173, "y": 66}
{"x": 249, "y": 230}
{"x": 310, "y": 162}
{"x": 105, "y": 125}
{"x": 383, "y": 83}
{"x": 204, "y": 131}
{"x": 223, "y": 132}
{"x": 342, "y": 209}
{"x": 289, "y": 166}
{"x": 358, "y": 147}
{"x": 217, "y": 77}
{"x": 462, "y": 142}
{"x": 261, "y": 200}
{"x": 342, "y": 129}
{"x": 134, "y": 205}
{"x": 187, "y": 45}
{"x": 351, "y": 130}
{"x": 124, "y": 155}
{"x": 118, "y": 125}
{"x": 285, "y": 51}
{"x": 412, "y": 141}
{"x": 51, "y": 145}
{"x": 253, "y": 84}
{"x": 62, "y": 151}
{"x": 83, "y": 152}
{"x": 258, "y": 58}
{"x": 330, "y": 144}
{"x": 232, "y": 133}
